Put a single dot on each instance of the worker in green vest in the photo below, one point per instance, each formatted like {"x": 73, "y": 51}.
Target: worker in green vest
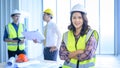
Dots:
{"x": 79, "y": 44}
{"x": 13, "y": 35}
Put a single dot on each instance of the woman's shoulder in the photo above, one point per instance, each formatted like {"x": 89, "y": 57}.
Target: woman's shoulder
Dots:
{"x": 92, "y": 33}
{"x": 67, "y": 32}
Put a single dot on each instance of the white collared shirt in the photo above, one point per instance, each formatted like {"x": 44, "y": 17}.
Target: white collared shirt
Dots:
{"x": 53, "y": 35}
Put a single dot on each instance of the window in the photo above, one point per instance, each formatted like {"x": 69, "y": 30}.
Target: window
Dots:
{"x": 100, "y": 17}
{"x": 107, "y": 26}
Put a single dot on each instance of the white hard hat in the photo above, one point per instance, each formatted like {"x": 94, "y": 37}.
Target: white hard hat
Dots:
{"x": 15, "y": 12}
{"x": 78, "y": 7}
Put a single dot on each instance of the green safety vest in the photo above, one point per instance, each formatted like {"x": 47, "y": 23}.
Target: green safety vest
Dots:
{"x": 13, "y": 34}
{"x": 69, "y": 40}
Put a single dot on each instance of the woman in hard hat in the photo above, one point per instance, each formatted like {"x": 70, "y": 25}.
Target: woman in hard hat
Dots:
{"x": 80, "y": 42}
{"x": 52, "y": 37}
{"x": 13, "y": 35}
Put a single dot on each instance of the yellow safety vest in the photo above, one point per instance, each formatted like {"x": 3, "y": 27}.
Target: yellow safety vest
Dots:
{"x": 70, "y": 42}
{"x": 13, "y": 34}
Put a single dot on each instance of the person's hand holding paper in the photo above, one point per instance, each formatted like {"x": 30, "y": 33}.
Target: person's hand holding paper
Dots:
{"x": 34, "y": 35}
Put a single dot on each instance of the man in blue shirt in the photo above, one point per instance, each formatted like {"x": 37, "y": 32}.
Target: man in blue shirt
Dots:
{"x": 13, "y": 35}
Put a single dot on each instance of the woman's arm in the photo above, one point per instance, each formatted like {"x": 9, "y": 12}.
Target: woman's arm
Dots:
{"x": 89, "y": 50}
{"x": 79, "y": 54}
{"x": 63, "y": 53}
{"x": 75, "y": 53}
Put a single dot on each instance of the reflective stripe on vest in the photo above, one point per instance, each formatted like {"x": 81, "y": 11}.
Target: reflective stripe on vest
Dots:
{"x": 69, "y": 40}
{"x": 83, "y": 64}
{"x": 13, "y": 34}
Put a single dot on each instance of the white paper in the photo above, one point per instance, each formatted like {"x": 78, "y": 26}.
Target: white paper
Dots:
{"x": 26, "y": 64}
{"x": 37, "y": 64}
{"x": 31, "y": 35}
{"x": 11, "y": 62}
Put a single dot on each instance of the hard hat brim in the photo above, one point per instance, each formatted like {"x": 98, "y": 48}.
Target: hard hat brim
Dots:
{"x": 15, "y": 14}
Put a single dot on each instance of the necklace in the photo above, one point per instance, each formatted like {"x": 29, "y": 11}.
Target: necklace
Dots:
{"x": 77, "y": 36}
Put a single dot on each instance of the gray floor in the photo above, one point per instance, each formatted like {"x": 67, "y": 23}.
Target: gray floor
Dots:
{"x": 107, "y": 61}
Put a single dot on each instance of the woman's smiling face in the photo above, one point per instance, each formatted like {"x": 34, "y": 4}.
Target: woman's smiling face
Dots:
{"x": 77, "y": 20}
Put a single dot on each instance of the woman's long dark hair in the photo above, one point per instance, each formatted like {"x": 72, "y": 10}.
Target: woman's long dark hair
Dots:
{"x": 84, "y": 26}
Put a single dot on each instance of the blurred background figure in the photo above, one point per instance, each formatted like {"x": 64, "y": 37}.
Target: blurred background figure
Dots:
{"x": 13, "y": 35}
{"x": 52, "y": 37}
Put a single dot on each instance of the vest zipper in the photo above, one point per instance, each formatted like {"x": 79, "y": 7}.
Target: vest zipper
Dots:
{"x": 77, "y": 66}
{"x": 76, "y": 40}
{"x": 18, "y": 41}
